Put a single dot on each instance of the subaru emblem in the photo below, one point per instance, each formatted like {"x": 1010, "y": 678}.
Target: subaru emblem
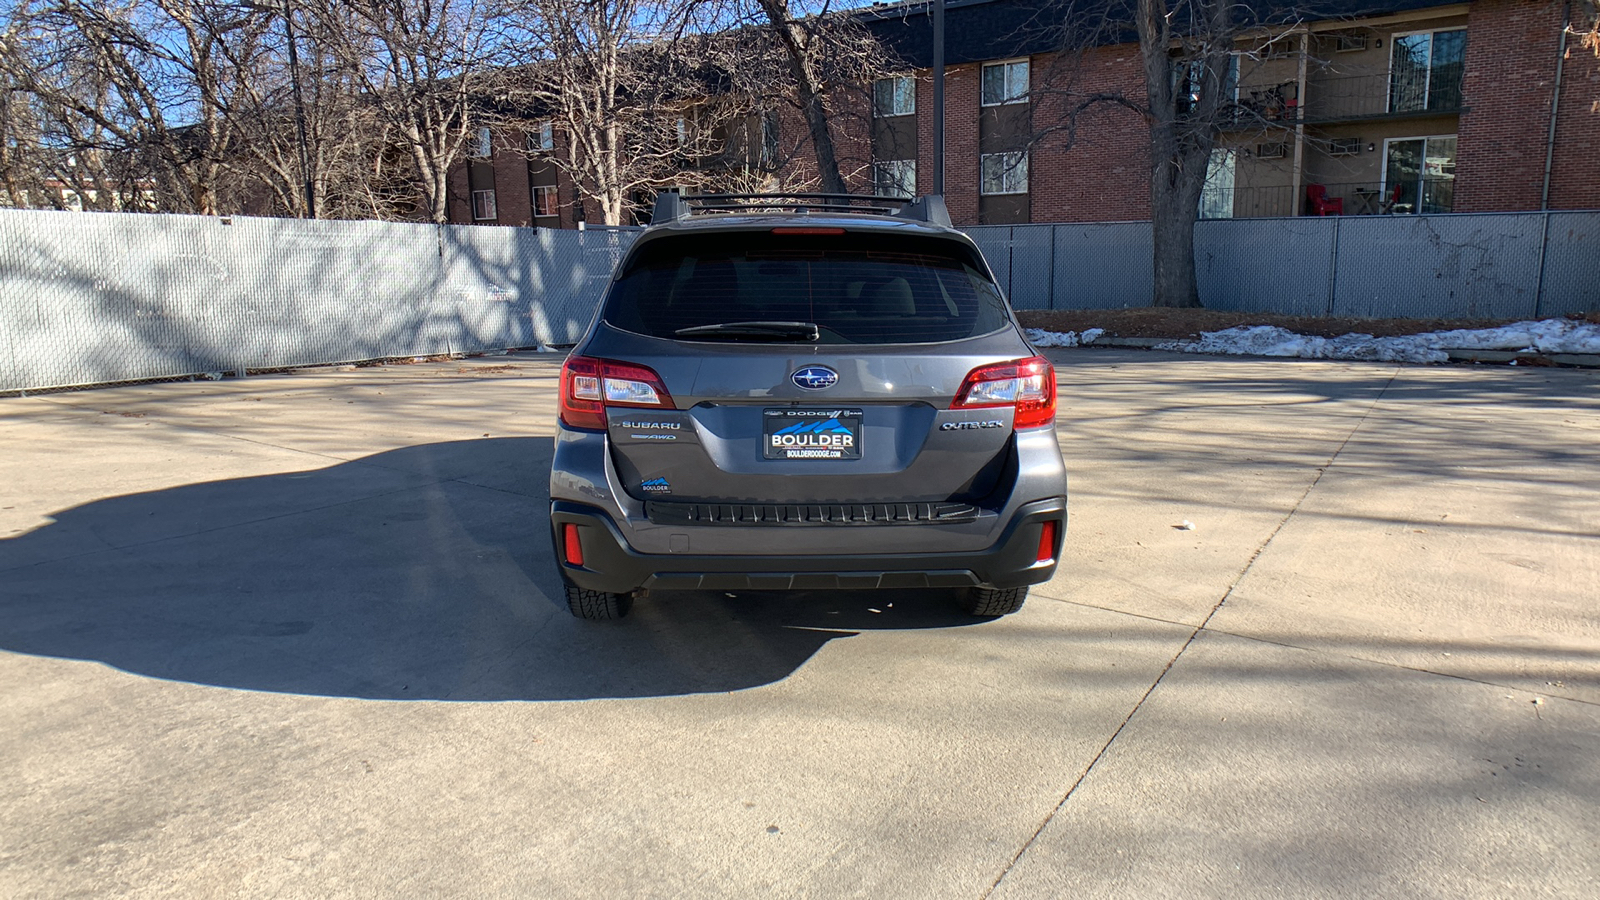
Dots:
{"x": 815, "y": 378}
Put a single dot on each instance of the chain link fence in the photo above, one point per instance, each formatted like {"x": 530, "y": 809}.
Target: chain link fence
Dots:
{"x": 89, "y": 298}
{"x": 1482, "y": 265}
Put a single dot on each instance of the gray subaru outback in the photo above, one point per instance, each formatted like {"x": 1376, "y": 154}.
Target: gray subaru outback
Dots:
{"x": 805, "y": 392}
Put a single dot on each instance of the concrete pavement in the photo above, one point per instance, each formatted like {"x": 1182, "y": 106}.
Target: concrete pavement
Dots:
{"x": 298, "y": 636}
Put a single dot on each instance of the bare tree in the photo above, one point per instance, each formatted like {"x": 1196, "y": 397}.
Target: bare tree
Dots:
{"x": 831, "y": 61}
{"x": 1197, "y": 38}
{"x": 176, "y": 105}
{"x": 1186, "y": 53}
{"x": 420, "y": 65}
{"x": 105, "y": 80}
{"x": 21, "y": 171}
{"x": 656, "y": 95}
{"x": 303, "y": 120}
{"x": 802, "y": 46}
{"x": 620, "y": 80}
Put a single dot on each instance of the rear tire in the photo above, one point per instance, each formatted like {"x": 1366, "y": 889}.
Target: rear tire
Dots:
{"x": 597, "y": 605}
{"x": 991, "y": 602}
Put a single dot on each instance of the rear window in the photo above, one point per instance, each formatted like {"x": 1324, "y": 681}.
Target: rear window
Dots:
{"x": 856, "y": 288}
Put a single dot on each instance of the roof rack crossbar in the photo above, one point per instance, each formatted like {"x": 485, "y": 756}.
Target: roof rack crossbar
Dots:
{"x": 845, "y": 199}
{"x": 823, "y": 207}
{"x": 674, "y": 207}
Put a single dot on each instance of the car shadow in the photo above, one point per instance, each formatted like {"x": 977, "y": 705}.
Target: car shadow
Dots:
{"x": 418, "y": 573}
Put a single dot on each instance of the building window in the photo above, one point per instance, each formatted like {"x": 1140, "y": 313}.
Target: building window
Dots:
{"x": 543, "y": 137}
{"x": 1189, "y": 75}
{"x": 1425, "y": 71}
{"x": 1216, "y": 197}
{"x": 1419, "y": 174}
{"x": 683, "y": 131}
{"x": 895, "y": 178}
{"x": 483, "y": 147}
{"x": 1005, "y": 82}
{"x": 544, "y": 200}
{"x": 1351, "y": 41}
{"x": 1004, "y": 173}
{"x": 483, "y": 205}
{"x": 895, "y": 96}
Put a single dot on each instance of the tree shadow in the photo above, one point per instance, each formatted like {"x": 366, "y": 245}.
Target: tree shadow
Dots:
{"x": 1435, "y": 422}
{"x": 418, "y": 573}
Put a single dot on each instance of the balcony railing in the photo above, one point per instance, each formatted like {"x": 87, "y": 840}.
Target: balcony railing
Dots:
{"x": 1262, "y": 108}
{"x": 1422, "y": 91}
{"x": 1356, "y": 198}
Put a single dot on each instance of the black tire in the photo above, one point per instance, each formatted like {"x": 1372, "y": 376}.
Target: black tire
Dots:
{"x": 597, "y": 605}
{"x": 991, "y": 602}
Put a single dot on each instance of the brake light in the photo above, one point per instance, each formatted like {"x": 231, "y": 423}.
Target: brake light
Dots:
{"x": 1026, "y": 385}
{"x": 806, "y": 230}
{"x": 590, "y": 385}
{"x": 571, "y": 547}
{"x": 1047, "y": 541}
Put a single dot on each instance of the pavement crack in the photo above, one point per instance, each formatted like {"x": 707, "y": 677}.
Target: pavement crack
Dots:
{"x": 1328, "y": 651}
{"x": 1194, "y": 633}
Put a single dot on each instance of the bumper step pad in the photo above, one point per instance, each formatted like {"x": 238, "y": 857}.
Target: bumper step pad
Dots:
{"x": 823, "y": 514}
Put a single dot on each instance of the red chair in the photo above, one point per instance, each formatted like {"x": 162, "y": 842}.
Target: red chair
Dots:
{"x": 1393, "y": 200}
{"x": 1321, "y": 205}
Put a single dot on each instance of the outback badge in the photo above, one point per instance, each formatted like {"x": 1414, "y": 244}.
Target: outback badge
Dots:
{"x": 815, "y": 378}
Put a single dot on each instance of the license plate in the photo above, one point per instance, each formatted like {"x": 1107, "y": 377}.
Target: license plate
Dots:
{"x": 811, "y": 434}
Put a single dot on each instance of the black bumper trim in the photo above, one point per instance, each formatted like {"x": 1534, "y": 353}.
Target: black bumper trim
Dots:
{"x": 810, "y": 514}
{"x": 611, "y": 565}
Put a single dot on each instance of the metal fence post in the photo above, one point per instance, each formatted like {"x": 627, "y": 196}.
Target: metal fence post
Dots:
{"x": 1011, "y": 263}
{"x": 1052, "y": 295}
{"x": 1538, "y": 281}
{"x": 1333, "y": 266}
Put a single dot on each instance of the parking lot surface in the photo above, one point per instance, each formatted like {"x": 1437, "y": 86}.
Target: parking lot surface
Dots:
{"x": 300, "y": 635}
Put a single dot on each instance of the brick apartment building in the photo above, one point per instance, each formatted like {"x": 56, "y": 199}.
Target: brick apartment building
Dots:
{"x": 1388, "y": 106}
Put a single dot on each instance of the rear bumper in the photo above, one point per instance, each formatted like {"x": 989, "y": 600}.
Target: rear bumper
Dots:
{"x": 609, "y": 564}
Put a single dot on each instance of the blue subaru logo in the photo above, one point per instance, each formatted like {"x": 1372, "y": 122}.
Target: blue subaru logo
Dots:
{"x": 815, "y": 378}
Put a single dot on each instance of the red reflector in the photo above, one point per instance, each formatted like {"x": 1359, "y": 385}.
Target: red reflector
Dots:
{"x": 1047, "y": 541}
{"x": 793, "y": 230}
{"x": 571, "y": 549}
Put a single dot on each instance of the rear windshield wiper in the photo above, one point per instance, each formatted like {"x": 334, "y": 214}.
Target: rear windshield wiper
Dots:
{"x": 768, "y": 331}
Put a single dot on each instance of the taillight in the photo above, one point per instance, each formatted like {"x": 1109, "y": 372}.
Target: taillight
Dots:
{"x": 1027, "y": 385}
{"x": 590, "y": 385}
{"x": 1047, "y": 541}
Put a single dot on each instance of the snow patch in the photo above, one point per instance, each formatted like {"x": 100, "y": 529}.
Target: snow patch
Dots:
{"x": 1268, "y": 340}
{"x": 1545, "y": 336}
{"x": 1043, "y": 339}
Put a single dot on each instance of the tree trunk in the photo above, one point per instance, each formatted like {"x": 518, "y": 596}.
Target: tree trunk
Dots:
{"x": 1173, "y": 211}
{"x": 611, "y": 204}
{"x": 1180, "y": 139}
{"x": 1177, "y": 176}
{"x": 822, "y": 140}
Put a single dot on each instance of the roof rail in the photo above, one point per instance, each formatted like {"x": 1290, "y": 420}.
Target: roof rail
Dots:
{"x": 674, "y": 207}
